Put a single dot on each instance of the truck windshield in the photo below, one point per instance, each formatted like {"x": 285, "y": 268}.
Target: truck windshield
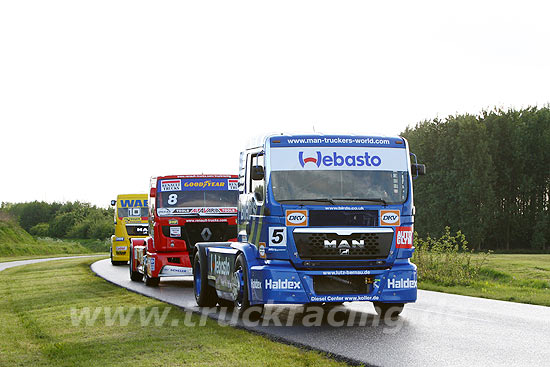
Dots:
{"x": 197, "y": 196}
{"x": 340, "y": 186}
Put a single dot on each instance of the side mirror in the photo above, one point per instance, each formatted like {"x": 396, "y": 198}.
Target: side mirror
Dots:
{"x": 257, "y": 173}
{"x": 113, "y": 202}
{"x": 153, "y": 192}
{"x": 418, "y": 169}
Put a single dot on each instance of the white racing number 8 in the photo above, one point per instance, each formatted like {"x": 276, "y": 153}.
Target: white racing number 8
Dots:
{"x": 172, "y": 199}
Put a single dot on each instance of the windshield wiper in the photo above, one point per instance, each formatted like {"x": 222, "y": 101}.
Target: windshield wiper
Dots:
{"x": 327, "y": 200}
{"x": 377, "y": 200}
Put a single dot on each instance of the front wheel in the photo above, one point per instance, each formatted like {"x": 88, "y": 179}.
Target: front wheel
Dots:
{"x": 150, "y": 281}
{"x": 388, "y": 309}
{"x": 205, "y": 294}
{"x": 135, "y": 276}
{"x": 240, "y": 291}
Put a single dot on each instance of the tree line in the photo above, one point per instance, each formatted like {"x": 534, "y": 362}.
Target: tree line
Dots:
{"x": 62, "y": 220}
{"x": 488, "y": 176}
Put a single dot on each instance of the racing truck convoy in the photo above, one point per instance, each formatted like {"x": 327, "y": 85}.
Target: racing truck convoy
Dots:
{"x": 183, "y": 211}
{"x": 322, "y": 219}
{"x": 130, "y": 222}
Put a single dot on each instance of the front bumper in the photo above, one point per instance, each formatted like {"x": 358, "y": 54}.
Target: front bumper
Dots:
{"x": 280, "y": 282}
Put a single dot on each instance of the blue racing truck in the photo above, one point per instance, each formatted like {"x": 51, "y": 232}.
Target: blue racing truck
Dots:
{"x": 322, "y": 219}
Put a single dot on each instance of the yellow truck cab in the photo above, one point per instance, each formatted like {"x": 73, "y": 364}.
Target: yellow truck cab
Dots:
{"x": 131, "y": 221}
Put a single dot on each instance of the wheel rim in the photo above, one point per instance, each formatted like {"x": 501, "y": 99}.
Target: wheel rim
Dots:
{"x": 238, "y": 287}
{"x": 197, "y": 279}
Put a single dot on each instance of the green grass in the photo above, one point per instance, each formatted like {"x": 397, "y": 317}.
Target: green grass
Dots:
{"x": 40, "y": 247}
{"x": 35, "y": 309}
{"x": 17, "y": 258}
{"x": 510, "y": 277}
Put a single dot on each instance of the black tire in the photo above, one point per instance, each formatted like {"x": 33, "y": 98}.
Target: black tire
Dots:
{"x": 388, "y": 309}
{"x": 114, "y": 263}
{"x": 205, "y": 294}
{"x": 242, "y": 303}
{"x": 135, "y": 275}
{"x": 226, "y": 303}
{"x": 150, "y": 281}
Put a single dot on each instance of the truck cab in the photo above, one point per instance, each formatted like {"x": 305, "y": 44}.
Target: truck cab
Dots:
{"x": 184, "y": 210}
{"x": 130, "y": 218}
{"x": 322, "y": 219}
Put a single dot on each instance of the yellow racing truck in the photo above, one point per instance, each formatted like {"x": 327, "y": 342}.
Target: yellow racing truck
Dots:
{"x": 131, "y": 221}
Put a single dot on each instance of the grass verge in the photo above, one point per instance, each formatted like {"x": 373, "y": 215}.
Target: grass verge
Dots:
{"x": 17, "y": 258}
{"x": 510, "y": 277}
{"x": 38, "y": 329}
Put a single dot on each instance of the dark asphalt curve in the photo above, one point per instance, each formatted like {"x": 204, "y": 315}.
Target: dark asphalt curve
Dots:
{"x": 438, "y": 330}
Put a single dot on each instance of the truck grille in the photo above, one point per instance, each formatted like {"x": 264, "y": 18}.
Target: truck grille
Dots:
{"x": 330, "y": 246}
{"x": 343, "y": 218}
{"x": 137, "y": 230}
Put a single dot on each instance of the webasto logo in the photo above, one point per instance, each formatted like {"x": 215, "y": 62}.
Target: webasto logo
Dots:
{"x": 336, "y": 160}
{"x": 220, "y": 265}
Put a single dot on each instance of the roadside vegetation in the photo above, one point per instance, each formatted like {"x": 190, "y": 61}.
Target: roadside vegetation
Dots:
{"x": 16, "y": 243}
{"x": 488, "y": 175}
{"x": 38, "y": 329}
{"x": 446, "y": 264}
{"x": 61, "y": 220}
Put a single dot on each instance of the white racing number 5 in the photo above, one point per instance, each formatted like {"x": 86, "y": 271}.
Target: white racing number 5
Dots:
{"x": 172, "y": 199}
{"x": 277, "y": 236}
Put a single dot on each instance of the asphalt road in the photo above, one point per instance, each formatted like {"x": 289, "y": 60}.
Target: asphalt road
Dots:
{"x": 438, "y": 330}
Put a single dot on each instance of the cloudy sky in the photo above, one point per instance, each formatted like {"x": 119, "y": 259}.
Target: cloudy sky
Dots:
{"x": 97, "y": 96}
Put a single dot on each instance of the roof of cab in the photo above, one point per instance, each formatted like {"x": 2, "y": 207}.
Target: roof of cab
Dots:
{"x": 259, "y": 140}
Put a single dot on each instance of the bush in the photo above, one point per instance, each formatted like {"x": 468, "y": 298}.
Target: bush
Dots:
{"x": 40, "y": 230}
{"x": 447, "y": 260}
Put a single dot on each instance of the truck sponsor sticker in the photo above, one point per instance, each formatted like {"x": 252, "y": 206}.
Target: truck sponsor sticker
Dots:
{"x": 126, "y": 203}
{"x": 233, "y": 184}
{"x": 175, "y": 231}
{"x": 121, "y": 248}
{"x": 201, "y": 184}
{"x": 345, "y": 158}
{"x": 390, "y": 217}
{"x": 220, "y": 265}
{"x": 281, "y": 284}
{"x": 277, "y": 236}
{"x": 403, "y": 237}
{"x": 132, "y": 219}
{"x": 170, "y": 185}
{"x": 401, "y": 283}
{"x": 261, "y": 250}
{"x": 173, "y": 221}
{"x": 167, "y": 212}
{"x": 296, "y": 217}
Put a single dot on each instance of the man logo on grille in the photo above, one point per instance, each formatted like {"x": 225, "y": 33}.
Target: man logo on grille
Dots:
{"x": 344, "y": 251}
{"x": 206, "y": 234}
{"x": 344, "y": 244}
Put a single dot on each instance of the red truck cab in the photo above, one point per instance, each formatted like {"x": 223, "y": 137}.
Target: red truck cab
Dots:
{"x": 183, "y": 210}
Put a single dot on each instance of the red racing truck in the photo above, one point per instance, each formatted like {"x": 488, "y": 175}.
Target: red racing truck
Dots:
{"x": 183, "y": 210}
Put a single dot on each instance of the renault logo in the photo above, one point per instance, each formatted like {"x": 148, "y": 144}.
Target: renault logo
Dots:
{"x": 206, "y": 234}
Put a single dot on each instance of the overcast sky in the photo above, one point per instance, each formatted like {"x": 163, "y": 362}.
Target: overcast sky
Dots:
{"x": 97, "y": 96}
